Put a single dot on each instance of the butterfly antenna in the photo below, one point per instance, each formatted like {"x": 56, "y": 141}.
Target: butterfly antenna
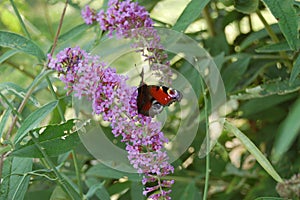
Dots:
{"x": 141, "y": 75}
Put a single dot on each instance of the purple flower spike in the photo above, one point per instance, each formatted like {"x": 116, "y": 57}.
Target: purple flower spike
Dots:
{"x": 88, "y": 15}
{"x": 130, "y": 20}
{"x": 112, "y": 98}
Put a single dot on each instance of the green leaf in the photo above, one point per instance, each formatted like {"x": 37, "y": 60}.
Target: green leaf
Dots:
{"x": 288, "y": 132}
{"x": 4, "y": 121}
{"x": 282, "y": 46}
{"x": 295, "y": 71}
{"x": 77, "y": 30}
{"x": 190, "y": 14}
{"x": 7, "y": 55}
{"x": 148, "y": 4}
{"x": 119, "y": 187}
{"x": 276, "y": 87}
{"x": 190, "y": 192}
{"x": 287, "y": 18}
{"x": 101, "y": 170}
{"x": 192, "y": 75}
{"x": 269, "y": 198}
{"x": 233, "y": 73}
{"x": 20, "y": 43}
{"x": 136, "y": 191}
{"x": 257, "y": 105}
{"x": 256, "y": 36}
{"x": 40, "y": 77}
{"x": 220, "y": 60}
{"x": 15, "y": 181}
{"x": 246, "y": 6}
{"x": 38, "y": 194}
{"x": 15, "y": 89}
{"x": 59, "y": 194}
{"x": 259, "y": 156}
{"x": 98, "y": 188}
{"x": 54, "y": 139}
{"x": 34, "y": 119}
{"x": 227, "y": 2}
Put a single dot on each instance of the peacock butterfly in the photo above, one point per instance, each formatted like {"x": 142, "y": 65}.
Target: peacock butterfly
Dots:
{"x": 151, "y": 99}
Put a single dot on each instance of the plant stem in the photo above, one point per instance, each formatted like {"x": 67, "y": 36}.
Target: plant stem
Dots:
{"x": 75, "y": 160}
{"x": 207, "y": 166}
{"x": 20, "y": 19}
{"x": 209, "y": 22}
{"x": 59, "y": 27}
{"x": 273, "y": 37}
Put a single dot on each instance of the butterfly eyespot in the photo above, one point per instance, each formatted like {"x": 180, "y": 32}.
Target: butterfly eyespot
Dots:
{"x": 173, "y": 93}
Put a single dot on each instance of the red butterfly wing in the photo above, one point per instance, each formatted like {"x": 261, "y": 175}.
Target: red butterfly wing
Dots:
{"x": 160, "y": 94}
{"x": 151, "y": 99}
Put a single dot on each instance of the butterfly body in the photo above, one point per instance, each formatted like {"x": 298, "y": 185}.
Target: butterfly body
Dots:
{"x": 152, "y": 98}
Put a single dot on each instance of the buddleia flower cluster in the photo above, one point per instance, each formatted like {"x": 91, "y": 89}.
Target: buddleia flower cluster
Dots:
{"x": 130, "y": 20}
{"x": 86, "y": 76}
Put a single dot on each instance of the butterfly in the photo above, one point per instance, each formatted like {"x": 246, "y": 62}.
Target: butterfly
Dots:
{"x": 152, "y": 99}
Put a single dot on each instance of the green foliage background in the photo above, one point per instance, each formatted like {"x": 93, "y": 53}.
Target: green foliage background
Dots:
{"x": 255, "y": 45}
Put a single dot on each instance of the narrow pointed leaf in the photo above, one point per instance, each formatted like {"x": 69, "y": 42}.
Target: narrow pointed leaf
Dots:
{"x": 288, "y": 132}
{"x": 34, "y": 119}
{"x": 282, "y": 46}
{"x": 250, "y": 146}
{"x": 258, "y": 35}
{"x": 287, "y": 18}
{"x": 295, "y": 71}
{"x": 4, "y": 121}
{"x": 7, "y": 55}
{"x": 102, "y": 170}
{"x": 77, "y": 30}
{"x": 20, "y": 43}
{"x": 246, "y": 6}
{"x": 99, "y": 189}
{"x": 15, "y": 182}
{"x": 54, "y": 139}
{"x": 20, "y": 92}
{"x": 190, "y": 14}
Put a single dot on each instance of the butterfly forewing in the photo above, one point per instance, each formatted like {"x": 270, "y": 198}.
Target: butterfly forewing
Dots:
{"x": 151, "y": 98}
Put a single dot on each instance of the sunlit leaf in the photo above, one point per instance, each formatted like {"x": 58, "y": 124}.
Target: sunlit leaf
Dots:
{"x": 54, "y": 139}
{"x": 20, "y": 43}
{"x": 34, "y": 119}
